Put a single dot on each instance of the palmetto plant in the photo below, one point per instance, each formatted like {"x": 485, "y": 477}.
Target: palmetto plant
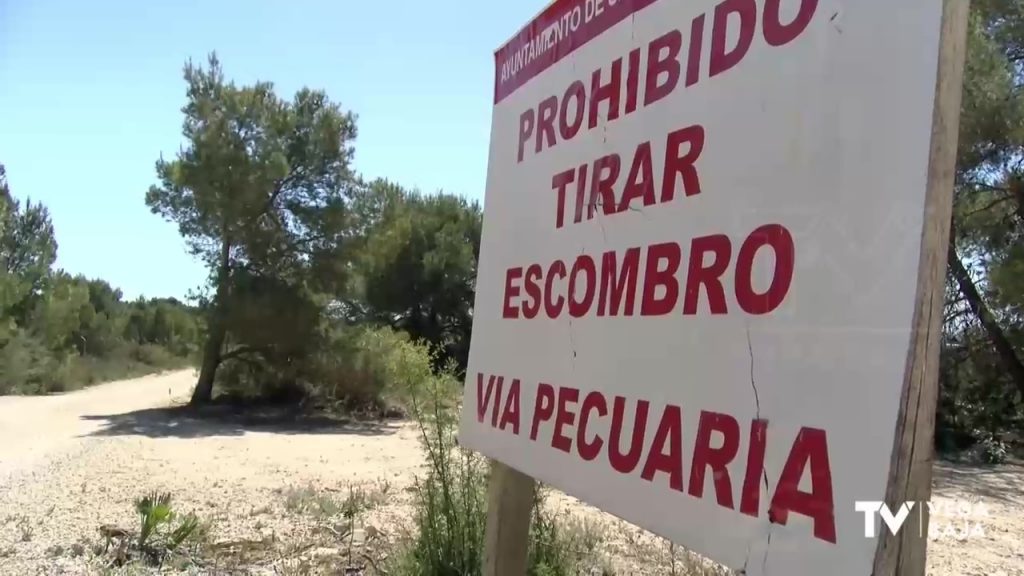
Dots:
{"x": 158, "y": 528}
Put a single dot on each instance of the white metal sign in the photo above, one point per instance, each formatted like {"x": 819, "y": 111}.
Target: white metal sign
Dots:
{"x": 700, "y": 249}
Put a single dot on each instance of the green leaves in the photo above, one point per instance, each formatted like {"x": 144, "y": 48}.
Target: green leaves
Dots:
{"x": 982, "y": 385}
{"x": 154, "y": 510}
{"x": 260, "y": 193}
{"x": 53, "y": 326}
{"x": 266, "y": 175}
{"x": 28, "y": 248}
{"x": 416, "y": 267}
{"x": 61, "y": 311}
{"x": 160, "y": 529}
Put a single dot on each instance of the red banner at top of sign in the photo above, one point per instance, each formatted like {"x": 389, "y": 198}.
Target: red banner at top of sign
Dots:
{"x": 560, "y": 29}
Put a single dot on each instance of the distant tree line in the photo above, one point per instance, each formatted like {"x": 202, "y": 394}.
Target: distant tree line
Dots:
{"x": 58, "y": 331}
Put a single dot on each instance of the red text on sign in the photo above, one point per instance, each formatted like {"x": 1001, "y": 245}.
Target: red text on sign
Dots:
{"x": 612, "y": 185}
{"x": 656, "y": 280}
{"x": 652, "y": 72}
{"x": 573, "y": 421}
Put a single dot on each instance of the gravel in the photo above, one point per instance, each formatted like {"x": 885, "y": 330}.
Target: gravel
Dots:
{"x": 71, "y": 463}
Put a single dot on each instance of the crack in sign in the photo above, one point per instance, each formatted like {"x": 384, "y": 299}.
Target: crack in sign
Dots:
{"x": 764, "y": 471}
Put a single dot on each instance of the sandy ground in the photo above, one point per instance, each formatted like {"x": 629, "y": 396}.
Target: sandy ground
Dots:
{"x": 72, "y": 462}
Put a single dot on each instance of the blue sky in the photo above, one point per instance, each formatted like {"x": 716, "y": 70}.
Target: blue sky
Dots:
{"x": 90, "y": 94}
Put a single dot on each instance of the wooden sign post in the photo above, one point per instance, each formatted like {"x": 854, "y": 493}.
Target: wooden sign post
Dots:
{"x": 509, "y": 508}
{"x": 910, "y": 474}
{"x": 711, "y": 275}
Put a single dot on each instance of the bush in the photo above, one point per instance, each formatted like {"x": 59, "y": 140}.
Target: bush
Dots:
{"x": 992, "y": 450}
{"x": 163, "y": 535}
{"x": 26, "y": 365}
{"x": 355, "y": 369}
{"x": 154, "y": 355}
{"x": 450, "y": 505}
{"x": 372, "y": 368}
{"x": 451, "y": 502}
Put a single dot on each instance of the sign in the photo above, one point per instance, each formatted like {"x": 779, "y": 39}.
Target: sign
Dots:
{"x": 699, "y": 265}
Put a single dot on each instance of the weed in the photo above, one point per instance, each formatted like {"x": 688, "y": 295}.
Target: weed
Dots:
{"x": 993, "y": 450}
{"x": 564, "y": 546}
{"x": 55, "y": 551}
{"x": 450, "y": 506}
{"x": 158, "y": 520}
{"x": 309, "y": 500}
{"x": 260, "y": 511}
{"x": 361, "y": 500}
{"x": 450, "y": 502}
{"x": 584, "y": 533}
{"x": 25, "y": 528}
{"x": 322, "y": 505}
{"x": 162, "y": 533}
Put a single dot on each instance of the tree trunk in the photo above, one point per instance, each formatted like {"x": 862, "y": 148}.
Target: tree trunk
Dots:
{"x": 203, "y": 392}
{"x": 1007, "y": 355}
{"x": 1018, "y": 195}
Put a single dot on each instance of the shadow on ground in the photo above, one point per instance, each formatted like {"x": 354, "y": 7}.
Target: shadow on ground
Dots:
{"x": 1003, "y": 483}
{"x": 186, "y": 422}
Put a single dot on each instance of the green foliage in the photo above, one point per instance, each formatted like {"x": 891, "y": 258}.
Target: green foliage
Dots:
{"x": 298, "y": 247}
{"x": 982, "y": 365}
{"x": 371, "y": 367}
{"x": 26, "y": 365}
{"x": 162, "y": 533}
{"x": 450, "y": 503}
{"x": 28, "y": 248}
{"x": 153, "y": 510}
{"x": 416, "y": 266}
{"x": 353, "y": 369}
{"x": 993, "y": 450}
{"x": 259, "y": 193}
{"x": 161, "y": 530}
{"x": 61, "y": 312}
{"x": 264, "y": 175}
{"x": 60, "y": 332}
{"x": 164, "y": 322}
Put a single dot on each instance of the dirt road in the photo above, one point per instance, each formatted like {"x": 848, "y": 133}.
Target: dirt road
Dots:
{"x": 33, "y": 428}
{"x": 73, "y": 462}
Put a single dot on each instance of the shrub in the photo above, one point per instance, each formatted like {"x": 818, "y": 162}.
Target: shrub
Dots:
{"x": 160, "y": 525}
{"x": 353, "y": 369}
{"x": 451, "y": 501}
{"x": 562, "y": 547}
{"x": 993, "y": 450}
{"x": 26, "y": 365}
{"x": 372, "y": 368}
{"x": 163, "y": 534}
{"x": 450, "y": 505}
{"x": 153, "y": 355}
